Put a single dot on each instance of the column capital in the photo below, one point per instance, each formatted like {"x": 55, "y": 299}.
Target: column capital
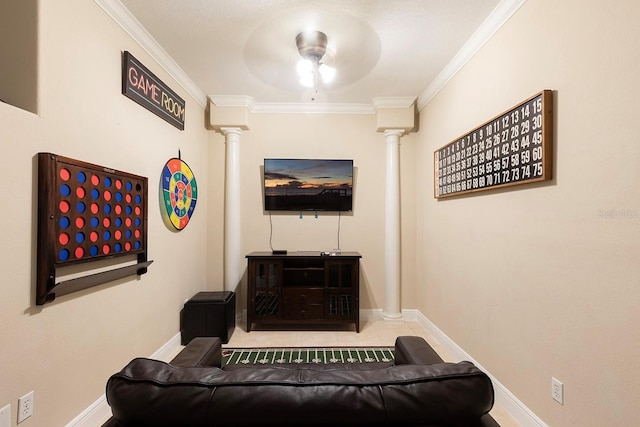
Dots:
{"x": 396, "y": 116}
{"x": 226, "y": 131}
{"x": 393, "y": 132}
{"x": 227, "y": 115}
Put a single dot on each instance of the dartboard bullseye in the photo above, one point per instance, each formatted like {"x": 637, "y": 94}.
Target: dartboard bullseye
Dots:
{"x": 180, "y": 193}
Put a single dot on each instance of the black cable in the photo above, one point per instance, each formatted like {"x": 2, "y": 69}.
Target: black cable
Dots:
{"x": 339, "y": 217}
{"x": 270, "y": 232}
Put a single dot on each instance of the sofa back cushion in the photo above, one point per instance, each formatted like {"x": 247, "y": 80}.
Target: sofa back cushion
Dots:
{"x": 150, "y": 392}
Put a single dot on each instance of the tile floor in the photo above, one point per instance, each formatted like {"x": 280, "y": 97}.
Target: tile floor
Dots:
{"x": 372, "y": 333}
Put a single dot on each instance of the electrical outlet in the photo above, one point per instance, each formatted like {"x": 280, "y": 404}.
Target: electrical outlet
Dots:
{"x": 5, "y": 416}
{"x": 557, "y": 391}
{"x": 25, "y": 407}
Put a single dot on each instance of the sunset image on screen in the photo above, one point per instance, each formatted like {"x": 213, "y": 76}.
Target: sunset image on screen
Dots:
{"x": 306, "y": 184}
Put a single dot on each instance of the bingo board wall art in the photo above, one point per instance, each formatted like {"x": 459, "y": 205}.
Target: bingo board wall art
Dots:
{"x": 179, "y": 192}
{"x": 86, "y": 213}
{"x": 510, "y": 149}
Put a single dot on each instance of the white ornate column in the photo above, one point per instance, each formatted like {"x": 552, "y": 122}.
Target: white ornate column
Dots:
{"x": 232, "y": 256}
{"x": 391, "y": 310}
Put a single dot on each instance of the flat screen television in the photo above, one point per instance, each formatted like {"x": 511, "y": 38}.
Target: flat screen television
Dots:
{"x": 308, "y": 185}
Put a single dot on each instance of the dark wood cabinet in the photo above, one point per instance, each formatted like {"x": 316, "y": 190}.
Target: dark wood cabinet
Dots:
{"x": 300, "y": 288}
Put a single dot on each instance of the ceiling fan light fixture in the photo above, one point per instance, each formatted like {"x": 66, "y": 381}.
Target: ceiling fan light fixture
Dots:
{"x": 312, "y": 44}
{"x": 304, "y": 67}
{"x": 307, "y": 81}
{"x": 327, "y": 73}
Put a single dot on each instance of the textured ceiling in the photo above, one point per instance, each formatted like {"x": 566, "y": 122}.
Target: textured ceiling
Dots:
{"x": 380, "y": 48}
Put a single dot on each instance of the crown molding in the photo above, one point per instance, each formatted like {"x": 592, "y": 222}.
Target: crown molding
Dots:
{"x": 394, "y": 102}
{"x": 324, "y": 108}
{"x": 232, "y": 101}
{"x": 321, "y": 108}
{"x": 496, "y": 19}
{"x": 289, "y": 108}
{"x": 121, "y": 15}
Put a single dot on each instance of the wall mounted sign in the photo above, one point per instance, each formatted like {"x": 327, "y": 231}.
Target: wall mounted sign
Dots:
{"x": 180, "y": 193}
{"x": 142, "y": 86}
{"x": 510, "y": 149}
{"x": 87, "y": 213}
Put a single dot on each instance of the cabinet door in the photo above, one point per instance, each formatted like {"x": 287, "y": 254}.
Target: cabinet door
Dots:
{"x": 267, "y": 282}
{"x": 341, "y": 290}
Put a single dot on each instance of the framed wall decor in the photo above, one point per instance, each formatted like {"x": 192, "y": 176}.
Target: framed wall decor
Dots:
{"x": 512, "y": 148}
{"x": 145, "y": 88}
{"x": 86, "y": 213}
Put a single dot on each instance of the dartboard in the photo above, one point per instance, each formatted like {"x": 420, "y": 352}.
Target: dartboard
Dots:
{"x": 180, "y": 193}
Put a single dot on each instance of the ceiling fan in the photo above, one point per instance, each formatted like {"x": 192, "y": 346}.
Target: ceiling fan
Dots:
{"x": 312, "y": 47}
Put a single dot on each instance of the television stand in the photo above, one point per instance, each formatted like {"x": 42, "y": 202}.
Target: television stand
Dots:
{"x": 303, "y": 288}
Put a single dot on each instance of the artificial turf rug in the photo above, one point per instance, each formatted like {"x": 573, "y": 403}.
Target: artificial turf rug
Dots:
{"x": 265, "y": 356}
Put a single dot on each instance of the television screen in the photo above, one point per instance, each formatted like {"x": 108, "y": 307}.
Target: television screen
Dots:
{"x": 308, "y": 184}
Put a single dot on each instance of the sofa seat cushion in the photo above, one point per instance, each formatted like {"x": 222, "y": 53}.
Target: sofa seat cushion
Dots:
{"x": 147, "y": 392}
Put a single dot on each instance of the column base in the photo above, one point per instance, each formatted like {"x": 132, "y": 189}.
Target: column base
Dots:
{"x": 392, "y": 317}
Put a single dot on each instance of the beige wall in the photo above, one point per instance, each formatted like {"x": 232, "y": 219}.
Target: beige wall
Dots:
{"x": 331, "y": 136}
{"x": 533, "y": 282}
{"x": 544, "y": 280}
{"x": 65, "y": 351}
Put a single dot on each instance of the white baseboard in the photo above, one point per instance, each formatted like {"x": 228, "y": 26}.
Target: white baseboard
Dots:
{"x": 168, "y": 349}
{"x": 95, "y": 415}
{"x": 374, "y": 315}
{"x": 516, "y": 409}
{"x": 99, "y": 411}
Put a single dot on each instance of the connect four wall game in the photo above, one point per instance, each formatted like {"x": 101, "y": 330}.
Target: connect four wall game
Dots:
{"x": 87, "y": 213}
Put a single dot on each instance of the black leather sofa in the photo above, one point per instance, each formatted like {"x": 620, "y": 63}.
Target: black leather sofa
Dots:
{"x": 419, "y": 389}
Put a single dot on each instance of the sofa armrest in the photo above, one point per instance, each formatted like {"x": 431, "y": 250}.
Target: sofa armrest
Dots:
{"x": 201, "y": 351}
{"x": 415, "y": 350}
{"x": 410, "y": 350}
{"x": 111, "y": 422}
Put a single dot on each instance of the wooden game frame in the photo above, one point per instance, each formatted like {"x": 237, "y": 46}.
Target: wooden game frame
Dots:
{"x": 86, "y": 213}
{"x": 513, "y": 148}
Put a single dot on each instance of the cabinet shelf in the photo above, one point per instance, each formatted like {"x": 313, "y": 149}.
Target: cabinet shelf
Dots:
{"x": 303, "y": 289}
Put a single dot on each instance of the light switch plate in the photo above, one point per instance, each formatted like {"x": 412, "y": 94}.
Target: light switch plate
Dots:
{"x": 25, "y": 407}
{"x": 5, "y": 416}
{"x": 557, "y": 391}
